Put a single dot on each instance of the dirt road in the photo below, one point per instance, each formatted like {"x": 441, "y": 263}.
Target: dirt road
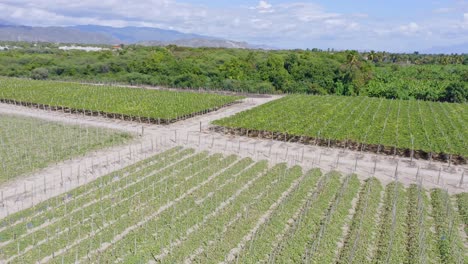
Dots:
{"x": 195, "y": 133}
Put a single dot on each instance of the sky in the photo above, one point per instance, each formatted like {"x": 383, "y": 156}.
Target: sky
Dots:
{"x": 396, "y": 25}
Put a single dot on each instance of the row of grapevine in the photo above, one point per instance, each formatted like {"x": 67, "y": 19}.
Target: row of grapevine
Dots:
{"x": 450, "y": 244}
{"x": 278, "y": 225}
{"x": 103, "y": 209}
{"x": 156, "y": 106}
{"x": 182, "y": 206}
{"x": 295, "y": 244}
{"x": 358, "y": 241}
{"x": 29, "y": 144}
{"x": 324, "y": 245}
{"x": 185, "y": 223}
{"x": 421, "y": 244}
{"x": 462, "y": 203}
{"x": 251, "y": 208}
{"x": 391, "y": 246}
{"x": 423, "y": 129}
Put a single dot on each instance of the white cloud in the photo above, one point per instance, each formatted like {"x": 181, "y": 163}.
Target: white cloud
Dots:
{"x": 288, "y": 24}
{"x": 263, "y": 7}
{"x": 308, "y": 12}
{"x": 410, "y": 28}
{"x": 360, "y": 15}
{"x": 464, "y": 23}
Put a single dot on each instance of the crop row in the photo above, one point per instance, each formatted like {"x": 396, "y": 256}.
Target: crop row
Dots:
{"x": 185, "y": 207}
{"x": 422, "y": 129}
{"x": 29, "y": 144}
{"x": 449, "y": 242}
{"x": 359, "y": 239}
{"x": 117, "y": 102}
{"x": 462, "y": 202}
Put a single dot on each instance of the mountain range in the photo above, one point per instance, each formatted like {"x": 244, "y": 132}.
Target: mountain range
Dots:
{"x": 453, "y": 49}
{"x": 93, "y": 34}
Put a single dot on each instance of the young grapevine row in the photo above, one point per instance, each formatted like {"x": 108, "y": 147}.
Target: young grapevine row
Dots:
{"x": 183, "y": 206}
{"x": 430, "y": 130}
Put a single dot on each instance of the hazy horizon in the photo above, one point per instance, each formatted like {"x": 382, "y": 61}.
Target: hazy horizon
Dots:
{"x": 397, "y": 26}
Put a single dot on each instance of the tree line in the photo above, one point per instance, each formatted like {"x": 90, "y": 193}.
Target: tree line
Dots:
{"x": 352, "y": 73}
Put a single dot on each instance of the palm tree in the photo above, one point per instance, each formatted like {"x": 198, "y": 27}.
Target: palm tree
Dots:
{"x": 352, "y": 57}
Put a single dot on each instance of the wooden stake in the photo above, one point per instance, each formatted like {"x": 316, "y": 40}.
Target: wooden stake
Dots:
{"x": 461, "y": 181}
{"x": 438, "y": 178}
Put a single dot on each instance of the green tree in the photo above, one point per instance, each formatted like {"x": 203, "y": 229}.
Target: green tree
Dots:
{"x": 456, "y": 92}
{"x": 40, "y": 74}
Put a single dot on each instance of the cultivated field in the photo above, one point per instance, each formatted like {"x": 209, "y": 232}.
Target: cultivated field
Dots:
{"x": 142, "y": 105}
{"x": 183, "y": 206}
{"x": 28, "y": 144}
{"x": 429, "y": 130}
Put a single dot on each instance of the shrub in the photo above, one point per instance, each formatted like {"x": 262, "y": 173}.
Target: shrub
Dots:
{"x": 40, "y": 74}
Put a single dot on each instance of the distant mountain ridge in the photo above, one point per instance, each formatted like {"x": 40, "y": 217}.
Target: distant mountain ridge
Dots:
{"x": 52, "y": 34}
{"x": 131, "y": 35}
{"x": 458, "y": 49}
{"x": 93, "y": 34}
{"x": 200, "y": 42}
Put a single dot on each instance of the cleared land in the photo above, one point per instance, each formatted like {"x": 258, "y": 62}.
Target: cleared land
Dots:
{"x": 28, "y": 144}
{"x": 155, "y": 106}
{"x": 426, "y": 130}
{"x": 182, "y": 207}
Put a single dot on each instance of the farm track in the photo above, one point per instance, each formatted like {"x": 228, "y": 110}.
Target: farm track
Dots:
{"x": 145, "y": 120}
{"x": 135, "y": 225}
{"x": 196, "y": 207}
{"x": 29, "y": 190}
{"x": 77, "y": 197}
{"x": 84, "y": 222}
{"x": 45, "y": 222}
{"x": 344, "y": 144}
{"x": 212, "y": 214}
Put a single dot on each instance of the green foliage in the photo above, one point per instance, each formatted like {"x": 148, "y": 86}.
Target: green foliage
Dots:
{"x": 421, "y": 244}
{"x": 456, "y": 92}
{"x": 462, "y": 202}
{"x": 40, "y": 74}
{"x": 406, "y": 124}
{"x": 28, "y": 144}
{"x": 180, "y": 206}
{"x": 376, "y": 74}
{"x": 359, "y": 239}
{"x": 450, "y": 244}
{"x": 112, "y": 100}
{"x": 391, "y": 247}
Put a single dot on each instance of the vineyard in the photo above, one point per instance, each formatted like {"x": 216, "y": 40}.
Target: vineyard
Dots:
{"x": 151, "y": 106}
{"x": 420, "y": 129}
{"x": 28, "y": 144}
{"x": 183, "y": 206}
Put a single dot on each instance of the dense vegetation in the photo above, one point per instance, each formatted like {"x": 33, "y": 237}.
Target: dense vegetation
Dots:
{"x": 28, "y": 144}
{"x": 118, "y": 102}
{"x": 362, "y": 123}
{"x": 377, "y": 74}
{"x": 185, "y": 207}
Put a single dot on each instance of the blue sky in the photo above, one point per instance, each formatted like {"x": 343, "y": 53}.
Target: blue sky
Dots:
{"x": 397, "y": 25}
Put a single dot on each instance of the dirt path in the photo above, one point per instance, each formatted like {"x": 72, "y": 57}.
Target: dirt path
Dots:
{"x": 195, "y": 133}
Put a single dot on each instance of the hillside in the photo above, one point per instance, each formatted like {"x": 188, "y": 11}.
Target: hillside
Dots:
{"x": 53, "y": 34}
{"x": 199, "y": 42}
{"x": 92, "y": 34}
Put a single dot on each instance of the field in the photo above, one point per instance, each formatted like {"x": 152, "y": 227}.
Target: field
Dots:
{"x": 430, "y": 130}
{"x": 192, "y": 207}
{"x": 28, "y": 144}
{"x": 155, "y": 106}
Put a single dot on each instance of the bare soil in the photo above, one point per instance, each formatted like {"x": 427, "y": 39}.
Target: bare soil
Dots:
{"x": 198, "y": 133}
{"x": 344, "y": 144}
